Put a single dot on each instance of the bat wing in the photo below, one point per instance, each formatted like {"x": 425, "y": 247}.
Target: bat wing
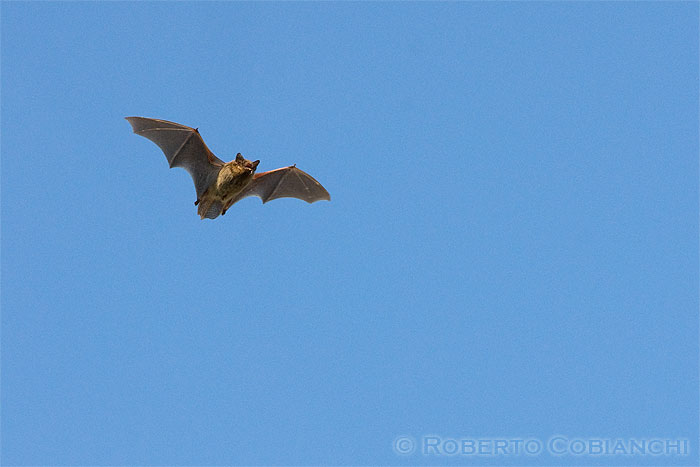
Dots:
{"x": 183, "y": 147}
{"x": 288, "y": 182}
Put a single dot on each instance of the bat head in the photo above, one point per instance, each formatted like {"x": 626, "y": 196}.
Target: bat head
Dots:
{"x": 243, "y": 162}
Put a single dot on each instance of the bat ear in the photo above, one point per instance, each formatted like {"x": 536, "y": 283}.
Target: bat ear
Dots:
{"x": 255, "y": 164}
{"x": 239, "y": 157}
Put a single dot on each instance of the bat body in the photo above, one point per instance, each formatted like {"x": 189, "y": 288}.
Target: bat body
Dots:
{"x": 220, "y": 184}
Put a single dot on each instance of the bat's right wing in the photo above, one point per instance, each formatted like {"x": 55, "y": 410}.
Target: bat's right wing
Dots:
{"x": 287, "y": 182}
{"x": 183, "y": 147}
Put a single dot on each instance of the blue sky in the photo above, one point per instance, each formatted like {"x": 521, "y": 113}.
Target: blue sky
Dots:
{"x": 511, "y": 249}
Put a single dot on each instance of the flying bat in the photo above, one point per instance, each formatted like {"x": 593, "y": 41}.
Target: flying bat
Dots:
{"x": 220, "y": 184}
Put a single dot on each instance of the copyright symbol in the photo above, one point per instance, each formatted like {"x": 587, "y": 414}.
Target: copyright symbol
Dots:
{"x": 404, "y": 445}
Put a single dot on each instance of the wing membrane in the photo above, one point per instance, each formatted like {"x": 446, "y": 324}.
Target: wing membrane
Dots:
{"x": 183, "y": 147}
{"x": 288, "y": 182}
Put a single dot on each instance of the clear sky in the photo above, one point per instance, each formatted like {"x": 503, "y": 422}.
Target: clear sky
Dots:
{"x": 511, "y": 249}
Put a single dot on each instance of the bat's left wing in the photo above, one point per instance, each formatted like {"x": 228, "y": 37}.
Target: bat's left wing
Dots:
{"x": 288, "y": 182}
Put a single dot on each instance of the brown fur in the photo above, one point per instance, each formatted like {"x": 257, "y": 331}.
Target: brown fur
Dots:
{"x": 233, "y": 178}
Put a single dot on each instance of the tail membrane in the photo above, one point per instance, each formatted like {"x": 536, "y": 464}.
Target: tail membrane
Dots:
{"x": 212, "y": 211}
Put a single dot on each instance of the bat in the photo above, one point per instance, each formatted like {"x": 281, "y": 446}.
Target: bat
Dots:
{"x": 221, "y": 184}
